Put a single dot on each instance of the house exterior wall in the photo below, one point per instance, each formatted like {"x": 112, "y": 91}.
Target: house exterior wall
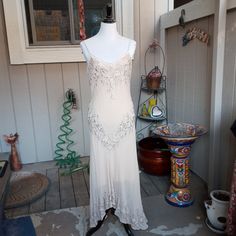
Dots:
{"x": 31, "y": 96}
{"x": 189, "y": 92}
{"x": 189, "y": 85}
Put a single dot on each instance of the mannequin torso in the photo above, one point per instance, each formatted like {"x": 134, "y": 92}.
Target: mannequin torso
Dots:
{"x": 108, "y": 45}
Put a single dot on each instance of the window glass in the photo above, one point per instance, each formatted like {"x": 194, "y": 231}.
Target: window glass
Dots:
{"x": 178, "y": 3}
{"x": 52, "y": 22}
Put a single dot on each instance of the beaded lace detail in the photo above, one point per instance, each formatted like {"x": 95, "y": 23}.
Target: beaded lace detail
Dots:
{"x": 136, "y": 218}
{"x": 99, "y": 73}
{"x": 109, "y": 141}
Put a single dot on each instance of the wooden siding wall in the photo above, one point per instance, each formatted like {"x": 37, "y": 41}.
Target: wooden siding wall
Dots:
{"x": 146, "y": 20}
{"x": 31, "y": 96}
{"x": 228, "y": 141}
{"x": 189, "y": 86}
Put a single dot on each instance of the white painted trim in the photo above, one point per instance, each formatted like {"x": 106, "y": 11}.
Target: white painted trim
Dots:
{"x": 231, "y": 4}
{"x": 216, "y": 92}
{"x": 21, "y": 53}
{"x": 170, "y": 5}
{"x": 193, "y": 10}
{"x": 118, "y": 15}
{"x": 127, "y": 20}
{"x": 163, "y": 45}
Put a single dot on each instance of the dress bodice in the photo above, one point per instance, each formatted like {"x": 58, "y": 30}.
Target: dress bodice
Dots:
{"x": 111, "y": 113}
{"x": 108, "y": 79}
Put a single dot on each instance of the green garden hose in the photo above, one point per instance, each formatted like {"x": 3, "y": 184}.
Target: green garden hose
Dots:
{"x": 65, "y": 156}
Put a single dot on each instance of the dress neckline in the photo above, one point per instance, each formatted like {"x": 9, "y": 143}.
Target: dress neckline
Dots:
{"x": 100, "y": 60}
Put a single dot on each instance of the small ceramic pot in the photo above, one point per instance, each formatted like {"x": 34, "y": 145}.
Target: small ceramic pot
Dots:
{"x": 217, "y": 208}
{"x": 154, "y": 78}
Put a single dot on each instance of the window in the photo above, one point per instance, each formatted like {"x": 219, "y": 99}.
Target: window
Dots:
{"x": 48, "y": 31}
{"x": 178, "y": 3}
{"x": 55, "y": 22}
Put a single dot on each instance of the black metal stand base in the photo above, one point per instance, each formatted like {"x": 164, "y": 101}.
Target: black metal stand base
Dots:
{"x": 100, "y": 223}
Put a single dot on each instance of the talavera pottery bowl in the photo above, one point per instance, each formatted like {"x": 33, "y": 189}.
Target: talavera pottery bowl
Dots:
{"x": 179, "y": 131}
{"x": 179, "y": 137}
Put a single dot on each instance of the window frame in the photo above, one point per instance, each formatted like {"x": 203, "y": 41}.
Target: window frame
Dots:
{"x": 22, "y": 53}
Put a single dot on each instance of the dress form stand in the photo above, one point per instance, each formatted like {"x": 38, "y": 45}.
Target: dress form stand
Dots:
{"x": 97, "y": 45}
{"x": 91, "y": 231}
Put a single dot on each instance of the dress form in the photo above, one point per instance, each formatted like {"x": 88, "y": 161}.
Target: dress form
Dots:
{"x": 110, "y": 47}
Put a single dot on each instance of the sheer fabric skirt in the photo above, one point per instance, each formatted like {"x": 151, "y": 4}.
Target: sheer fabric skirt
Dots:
{"x": 114, "y": 181}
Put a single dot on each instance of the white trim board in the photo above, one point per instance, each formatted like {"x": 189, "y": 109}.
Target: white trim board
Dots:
{"x": 193, "y": 10}
{"x": 216, "y": 92}
{"x": 21, "y": 53}
{"x": 231, "y": 4}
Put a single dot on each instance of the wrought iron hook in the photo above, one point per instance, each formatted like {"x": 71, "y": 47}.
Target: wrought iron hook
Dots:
{"x": 181, "y": 18}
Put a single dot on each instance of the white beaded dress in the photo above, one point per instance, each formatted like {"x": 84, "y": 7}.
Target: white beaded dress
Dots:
{"x": 114, "y": 174}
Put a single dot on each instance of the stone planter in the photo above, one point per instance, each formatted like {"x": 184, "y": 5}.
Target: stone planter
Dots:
{"x": 217, "y": 209}
{"x": 154, "y": 156}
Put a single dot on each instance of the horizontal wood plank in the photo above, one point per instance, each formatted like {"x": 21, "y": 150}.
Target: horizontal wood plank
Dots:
{"x": 73, "y": 190}
{"x": 53, "y": 194}
{"x": 80, "y": 189}
{"x": 66, "y": 190}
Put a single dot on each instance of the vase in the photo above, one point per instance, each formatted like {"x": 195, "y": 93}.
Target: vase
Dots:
{"x": 217, "y": 209}
{"x": 14, "y": 158}
{"x": 15, "y": 162}
{"x": 179, "y": 138}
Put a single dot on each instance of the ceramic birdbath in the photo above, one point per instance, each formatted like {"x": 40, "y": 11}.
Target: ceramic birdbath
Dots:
{"x": 179, "y": 137}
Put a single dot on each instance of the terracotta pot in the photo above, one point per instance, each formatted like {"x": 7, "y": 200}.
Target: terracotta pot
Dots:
{"x": 154, "y": 156}
{"x": 15, "y": 162}
{"x": 154, "y": 78}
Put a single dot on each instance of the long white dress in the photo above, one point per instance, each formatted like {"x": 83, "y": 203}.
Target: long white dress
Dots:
{"x": 114, "y": 175}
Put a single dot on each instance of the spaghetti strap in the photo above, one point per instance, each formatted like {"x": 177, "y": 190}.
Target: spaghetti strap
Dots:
{"x": 87, "y": 48}
{"x": 129, "y": 45}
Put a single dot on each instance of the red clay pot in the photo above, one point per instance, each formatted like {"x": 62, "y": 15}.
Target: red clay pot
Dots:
{"x": 154, "y": 156}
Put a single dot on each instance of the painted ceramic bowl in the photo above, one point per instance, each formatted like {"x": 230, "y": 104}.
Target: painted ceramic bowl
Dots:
{"x": 179, "y": 131}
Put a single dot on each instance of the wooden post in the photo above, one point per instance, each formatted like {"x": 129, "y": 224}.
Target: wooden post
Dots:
{"x": 216, "y": 93}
